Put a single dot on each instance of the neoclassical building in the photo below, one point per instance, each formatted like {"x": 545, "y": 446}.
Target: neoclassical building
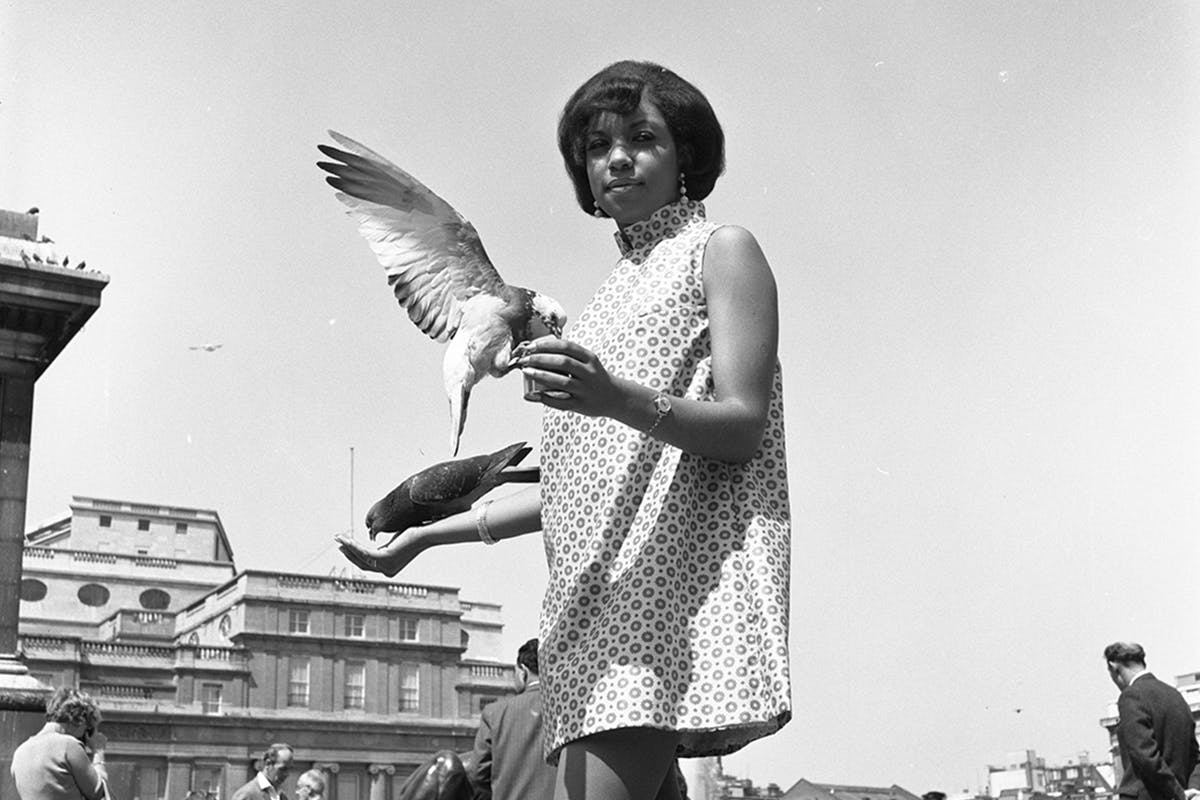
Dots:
{"x": 198, "y": 666}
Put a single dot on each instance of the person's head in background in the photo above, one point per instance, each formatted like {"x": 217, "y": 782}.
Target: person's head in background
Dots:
{"x": 310, "y": 785}
{"x": 277, "y": 763}
{"x": 74, "y": 712}
{"x": 1125, "y": 661}
{"x": 527, "y": 664}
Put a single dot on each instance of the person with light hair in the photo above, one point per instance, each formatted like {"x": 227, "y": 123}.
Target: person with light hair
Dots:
{"x": 310, "y": 785}
{"x": 65, "y": 759}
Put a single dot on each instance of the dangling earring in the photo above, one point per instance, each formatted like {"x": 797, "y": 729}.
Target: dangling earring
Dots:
{"x": 597, "y": 213}
{"x": 683, "y": 187}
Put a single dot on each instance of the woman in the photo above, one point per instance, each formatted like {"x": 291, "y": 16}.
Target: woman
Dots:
{"x": 53, "y": 764}
{"x": 663, "y": 499}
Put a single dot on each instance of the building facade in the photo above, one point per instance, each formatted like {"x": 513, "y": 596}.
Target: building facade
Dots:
{"x": 198, "y": 667}
{"x": 808, "y": 790}
{"x": 1026, "y": 775}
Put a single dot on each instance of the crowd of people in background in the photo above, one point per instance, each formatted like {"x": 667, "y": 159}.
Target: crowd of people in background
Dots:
{"x": 65, "y": 760}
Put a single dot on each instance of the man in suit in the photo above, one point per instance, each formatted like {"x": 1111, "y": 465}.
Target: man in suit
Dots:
{"x": 508, "y": 746}
{"x": 276, "y": 766}
{"x": 1155, "y": 731}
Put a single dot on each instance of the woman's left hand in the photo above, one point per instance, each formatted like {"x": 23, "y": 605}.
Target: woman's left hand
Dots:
{"x": 570, "y": 377}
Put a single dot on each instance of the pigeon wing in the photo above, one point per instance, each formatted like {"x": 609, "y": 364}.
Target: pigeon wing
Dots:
{"x": 433, "y": 257}
{"x": 465, "y": 479}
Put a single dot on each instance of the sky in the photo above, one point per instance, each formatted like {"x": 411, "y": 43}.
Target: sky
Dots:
{"x": 983, "y": 219}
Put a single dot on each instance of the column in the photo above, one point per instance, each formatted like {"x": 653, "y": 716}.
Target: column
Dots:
{"x": 22, "y": 699}
{"x": 380, "y": 778}
{"x": 16, "y": 423}
{"x": 179, "y": 776}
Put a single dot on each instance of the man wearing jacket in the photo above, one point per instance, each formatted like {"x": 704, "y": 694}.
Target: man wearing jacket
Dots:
{"x": 1155, "y": 732}
{"x": 508, "y": 746}
{"x": 276, "y": 766}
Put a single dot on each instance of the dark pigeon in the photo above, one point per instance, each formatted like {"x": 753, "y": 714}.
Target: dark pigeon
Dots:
{"x": 447, "y": 488}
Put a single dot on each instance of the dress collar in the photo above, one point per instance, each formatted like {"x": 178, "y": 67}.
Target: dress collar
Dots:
{"x": 665, "y": 222}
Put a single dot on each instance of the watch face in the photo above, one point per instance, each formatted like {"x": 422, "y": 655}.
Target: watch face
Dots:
{"x": 662, "y": 404}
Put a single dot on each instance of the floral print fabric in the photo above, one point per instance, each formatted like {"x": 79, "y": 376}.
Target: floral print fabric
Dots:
{"x": 667, "y": 601}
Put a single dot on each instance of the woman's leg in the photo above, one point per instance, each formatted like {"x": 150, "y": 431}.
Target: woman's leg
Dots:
{"x": 625, "y": 764}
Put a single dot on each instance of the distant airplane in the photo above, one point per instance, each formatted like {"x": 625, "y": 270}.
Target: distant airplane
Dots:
{"x": 208, "y": 348}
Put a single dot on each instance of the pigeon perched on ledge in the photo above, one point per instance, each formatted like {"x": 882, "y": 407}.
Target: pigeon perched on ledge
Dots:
{"x": 439, "y": 272}
{"x": 447, "y": 488}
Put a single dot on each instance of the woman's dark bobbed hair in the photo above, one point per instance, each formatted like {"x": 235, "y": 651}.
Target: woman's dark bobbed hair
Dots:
{"x": 619, "y": 88}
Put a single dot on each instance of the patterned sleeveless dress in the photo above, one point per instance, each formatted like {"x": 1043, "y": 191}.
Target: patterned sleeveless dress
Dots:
{"x": 667, "y": 600}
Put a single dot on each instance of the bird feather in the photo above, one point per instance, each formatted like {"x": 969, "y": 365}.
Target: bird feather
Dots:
{"x": 433, "y": 257}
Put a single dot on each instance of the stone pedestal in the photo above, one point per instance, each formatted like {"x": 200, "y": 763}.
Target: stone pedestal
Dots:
{"x": 41, "y": 308}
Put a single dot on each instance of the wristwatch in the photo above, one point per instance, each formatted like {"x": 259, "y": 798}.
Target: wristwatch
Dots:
{"x": 662, "y": 407}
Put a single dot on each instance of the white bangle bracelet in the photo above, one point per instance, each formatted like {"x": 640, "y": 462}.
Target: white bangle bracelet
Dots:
{"x": 481, "y": 522}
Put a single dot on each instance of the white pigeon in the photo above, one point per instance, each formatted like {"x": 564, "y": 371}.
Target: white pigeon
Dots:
{"x": 439, "y": 272}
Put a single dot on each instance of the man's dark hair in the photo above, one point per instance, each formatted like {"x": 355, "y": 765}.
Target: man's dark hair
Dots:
{"x": 527, "y": 656}
{"x": 619, "y": 87}
{"x": 1125, "y": 653}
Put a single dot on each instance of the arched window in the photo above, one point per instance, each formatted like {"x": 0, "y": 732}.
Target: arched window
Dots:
{"x": 155, "y": 599}
{"x": 32, "y": 590}
{"x": 93, "y": 594}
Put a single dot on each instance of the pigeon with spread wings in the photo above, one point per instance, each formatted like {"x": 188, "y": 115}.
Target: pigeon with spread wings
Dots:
{"x": 438, "y": 271}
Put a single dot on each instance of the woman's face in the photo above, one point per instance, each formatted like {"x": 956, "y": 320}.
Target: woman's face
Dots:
{"x": 632, "y": 163}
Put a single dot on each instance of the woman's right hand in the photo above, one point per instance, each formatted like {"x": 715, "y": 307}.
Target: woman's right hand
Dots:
{"x": 96, "y": 742}
{"x": 389, "y": 559}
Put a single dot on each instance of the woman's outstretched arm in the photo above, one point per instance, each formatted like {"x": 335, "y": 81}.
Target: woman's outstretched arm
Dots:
{"x": 743, "y": 320}
{"x": 512, "y": 515}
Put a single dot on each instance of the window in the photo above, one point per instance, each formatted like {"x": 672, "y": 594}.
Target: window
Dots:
{"x": 355, "y": 625}
{"x": 154, "y": 599}
{"x": 408, "y": 629}
{"x": 105, "y": 520}
{"x": 356, "y": 684}
{"x": 93, "y": 594}
{"x": 194, "y": 639}
{"x": 32, "y": 590}
{"x": 143, "y": 524}
{"x": 410, "y": 688}
{"x": 297, "y": 621}
{"x": 181, "y": 527}
{"x": 210, "y": 698}
{"x": 297, "y": 682}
